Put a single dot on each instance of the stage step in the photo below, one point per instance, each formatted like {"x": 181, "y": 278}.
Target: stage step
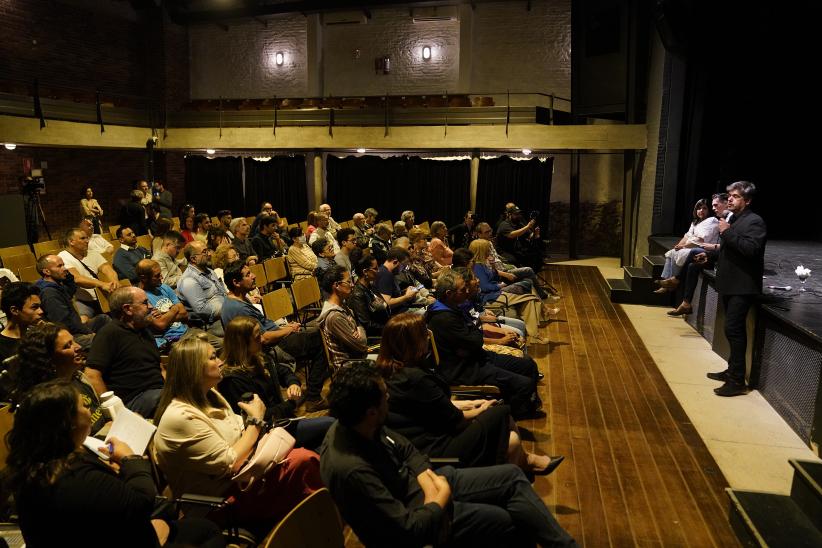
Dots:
{"x": 765, "y": 519}
{"x": 806, "y": 489}
{"x": 654, "y": 264}
{"x": 638, "y": 279}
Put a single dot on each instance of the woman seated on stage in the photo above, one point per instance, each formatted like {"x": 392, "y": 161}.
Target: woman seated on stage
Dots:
{"x": 201, "y": 444}
{"x": 478, "y": 432}
{"x": 248, "y": 369}
{"x": 704, "y": 230}
{"x": 62, "y": 490}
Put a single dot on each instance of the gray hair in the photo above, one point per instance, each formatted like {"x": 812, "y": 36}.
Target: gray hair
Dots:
{"x": 121, "y": 297}
{"x": 746, "y": 189}
{"x": 371, "y": 212}
{"x": 446, "y": 281}
{"x": 235, "y": 222}
{"x": 407, "y": 214}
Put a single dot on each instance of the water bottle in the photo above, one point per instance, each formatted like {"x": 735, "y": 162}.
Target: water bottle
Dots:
{"x": 111, "y": 404}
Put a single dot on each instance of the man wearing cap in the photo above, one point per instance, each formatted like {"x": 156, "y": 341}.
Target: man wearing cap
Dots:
{"x": 515, "y": 240}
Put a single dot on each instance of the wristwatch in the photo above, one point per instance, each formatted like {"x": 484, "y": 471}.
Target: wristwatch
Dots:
{"x": 253, "y": 421}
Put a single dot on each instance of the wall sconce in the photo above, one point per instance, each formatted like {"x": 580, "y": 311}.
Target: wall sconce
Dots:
{"x": 360, "y": 150}
{"x": 210, "y": 151}
{"x": 426, "y": 53}
{"x": 279, "y": 58}
{"x": 10, "y": 146}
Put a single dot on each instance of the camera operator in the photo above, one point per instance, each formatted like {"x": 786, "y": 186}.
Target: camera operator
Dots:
{"x": 463, "y": 234}
{"x": 520, "y": 243}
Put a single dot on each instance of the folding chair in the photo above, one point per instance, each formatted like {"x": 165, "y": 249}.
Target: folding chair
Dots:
{"x": 144, "y": 241}
{"x": 43, "y": 248}
{"x": 259, "y": 273}
{"x": 29, "y": 274}
{"x": 276, "y": 271}
{"x": 13, "y": 250}
{"x": 464, "y": 390}
{"x": 306, "y": 292}
{"x": 277, "y": 304}
{"x": 16, "y": 262}
{"x": 113, "y": 231}
{"x": 314, "y": 522}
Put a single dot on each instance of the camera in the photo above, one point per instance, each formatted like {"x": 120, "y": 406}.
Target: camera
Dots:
{"x": 533, "y": 215}
{"x": 32, "y": 185}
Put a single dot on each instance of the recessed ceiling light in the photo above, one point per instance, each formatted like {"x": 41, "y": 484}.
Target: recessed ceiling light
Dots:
{"x": 426, "y": 52}
{"x": 279, "y": 58}
{"x": 10, "y": 146}
{"x": 361, "y": 150}
{"x": 526, "y": 151}
{"x": 210, "y": 151}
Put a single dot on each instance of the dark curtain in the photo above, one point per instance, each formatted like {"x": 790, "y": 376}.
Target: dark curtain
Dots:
{"x": 214, "y": 184}
{"x": 436, "y": 190}
{"x": 527, "y": 183}
{"x": 280, "y": 181}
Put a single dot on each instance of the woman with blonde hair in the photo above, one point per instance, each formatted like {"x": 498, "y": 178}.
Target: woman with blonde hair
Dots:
{"x": 478, "y": 432}
{"x": 201, "y": 444}
{"x": 527, "y": 305}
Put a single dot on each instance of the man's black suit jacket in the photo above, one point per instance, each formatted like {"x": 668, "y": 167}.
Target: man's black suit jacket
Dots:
{"x": 742, "y": 255}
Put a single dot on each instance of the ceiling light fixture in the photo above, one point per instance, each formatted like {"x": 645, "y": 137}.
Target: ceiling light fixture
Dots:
{"x": 10, "y": 146}
{"x": 279, "y": 58}
{"x": 361, "y": 150}
{"x": 526, "y": 151}
{"x": 426, "y": 53}
{"x": 210, "y": 151}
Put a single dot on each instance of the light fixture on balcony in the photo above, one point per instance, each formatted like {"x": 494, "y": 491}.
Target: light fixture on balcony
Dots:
{"x": 361, "y": 150}
{"x": 210, "y": 151}
{"x": 426, "y": 53}
{"x": 279, "y": 58}
{"x": 10, "y": 146}
{"x": 526, "y": 151}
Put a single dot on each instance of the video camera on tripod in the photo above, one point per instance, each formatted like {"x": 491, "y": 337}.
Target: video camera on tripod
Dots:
{"x": 32, "y": 184}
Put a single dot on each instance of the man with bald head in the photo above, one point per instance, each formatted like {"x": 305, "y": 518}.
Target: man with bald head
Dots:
{"x": 361, "y": 230}
{"x": 333, "y": 226}
{"x": 90, "y": 271}
{"x": 124, "y": 357}
{"x": 201, "y": 291}
{"x": 169, "y": 313}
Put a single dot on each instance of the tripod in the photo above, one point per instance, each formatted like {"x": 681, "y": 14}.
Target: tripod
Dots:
{"x": 34, "y": 216}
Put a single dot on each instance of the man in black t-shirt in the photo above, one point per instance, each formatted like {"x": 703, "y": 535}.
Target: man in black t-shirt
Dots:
{"x": 124, "y": 356}
{"x": 518, "y": 242}
{"x": 20, "y": 302}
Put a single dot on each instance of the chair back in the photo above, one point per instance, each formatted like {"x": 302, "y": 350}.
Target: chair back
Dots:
{"x": 434, "y": 353}
{"x": 425, "y": 227}
{"x": 144, "y": 241}
{"x": 16, "y": 262}
{"x": 250, "y": 220}
{"x": 29, "y": 274}
{"x": 102, "y": 296}
{"x": 306, "y": 292}
{"x": 314, "y": 522}
{"x": 304, "y": 225}
{"x": 6, "y": 422}
{"x": 259, "y": 273}
{"x": 277, "y": 304}
{"x": 14, "y": 250}
{"x": 275, "y": 269}
{"x": 43, "y": 248}
{"x": 113, "y": 231}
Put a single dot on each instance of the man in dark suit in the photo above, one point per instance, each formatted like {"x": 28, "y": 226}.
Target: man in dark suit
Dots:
{"x": 739, "y": 279}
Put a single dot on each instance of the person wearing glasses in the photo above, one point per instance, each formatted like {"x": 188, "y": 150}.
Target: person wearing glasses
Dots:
{"x": 346, "y": 339}
{"x": 201, "y": 291}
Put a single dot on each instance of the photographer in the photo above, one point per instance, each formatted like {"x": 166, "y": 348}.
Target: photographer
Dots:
{"x": 462, "y": 234}
{"x": 520, "y": 243}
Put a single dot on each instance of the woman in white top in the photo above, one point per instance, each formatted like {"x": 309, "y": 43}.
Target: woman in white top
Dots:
{"x": 91, "y": 207}
{"x": 201, "y": 444}
{"x": 704, "y": 230}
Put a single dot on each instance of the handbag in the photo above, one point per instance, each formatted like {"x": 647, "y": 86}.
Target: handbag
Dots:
{"x": 273, "y": 448}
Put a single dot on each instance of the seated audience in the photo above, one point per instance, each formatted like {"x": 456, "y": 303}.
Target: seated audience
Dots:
{"x": 128, "y": 254}
{"x": 90, "y": 271}
{"x": 201, "y": 444}
{"x": 225, "y": 218}
{"x": 361, "y": 231}
{"x": 346, "y": 340}
{"x": 162, "y": 200}
{"x": 170, "y": 266}
{"x": 347, "y": 241}
{"x": 390, "y": 496}
{"x": 133, "y": 213}
{"x": 48, "y": 352}
{"x": 163, "y": 227}
{"x": 477, "y": 432}
{"x": 439, "y": 244}
{"x": 301, "y": 259}
{"x": 20, "y": 302}
{"x": 267, "y": 243}
{"x": 293, "y": 342}
{"x": 57, "y": 290}
{"x": 462, "y": 235}
{"x": 703, "y": 232}
{"x": 167, "y": 321}
{"x": 216, "y": 237}
{"x": 324, "y": 251}
{"x": 462, "y": 358}
{"x": 407, "y": 217}
{"x": 333, "y": 226}
{"x": 202, "y": 224}
{"x": 517, "y": 242}
{"x": 380, "y": 242}
{"x": 124, "y": 357}
{"x": 369, "y": 307}
{"x": 266, "y": 210}
{"x": 241, "y": 242}
{"x": 400, "y": 231}
{"x": 91, "y": 208}
{"x": 248, "y": 369}
{"x": 201, "y": 291}
{"x": 96, "y": 242}
{"x": 322, "y": 233}
{"x": 58, "y": 484}
{"x": 386, "y": 283}
{"x": 188, "y": 228}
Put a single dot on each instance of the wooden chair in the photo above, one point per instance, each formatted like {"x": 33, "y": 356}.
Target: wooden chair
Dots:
{"x": 6, "y": 422}
{"x": 314, "y": 522}
{"x": 425, "y": 227}
{"x": 304, "y": 225}
{"x": 43, "y": 248}
{"x": 176, "y": 222}
{"x": 276, "y": 271}
{"x": 144, "y": 241}
{"x": 464, "y": 390}
{"x": 113, "y": 231}
{"x": 250, "y": 220}
{"x": 16, "y": 262}
{"x": 259, "y": 272}
{"x": 307, "y": 296}
{"x": 102, "y": 296}
{"x": 29, "y": 274}
{"x": 277, "y": 304}
{"x": 14, "y": 250}
{"x": 106, "y": 236}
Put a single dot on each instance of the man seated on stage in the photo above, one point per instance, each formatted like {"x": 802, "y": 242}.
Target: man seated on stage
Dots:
{"x": 20, "y": 302}
{"x": 124, "y": 357}
{"x": 57, "y": 289}
{"x": 292, "y": 342}
{"x": 128, "y": 254}
{"x": 90, "y": 271}
{"x": 170, "y": 267}
{"x": 519, "y": 243}
{"x": 462, "y": 359}
{"x": 201, "y": 291}
{"x": 96, "y": 242}
{"x": 388, "y": 493}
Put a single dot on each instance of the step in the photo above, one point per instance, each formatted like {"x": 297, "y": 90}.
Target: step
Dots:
{"x": 619, "y": 289}
{"x": 766, "y": 519}
{"x": 654, "y": 264}
{"x": 621, "y": 293}
{"x": 638, "y": 279}
{"x": 806, "y": 489}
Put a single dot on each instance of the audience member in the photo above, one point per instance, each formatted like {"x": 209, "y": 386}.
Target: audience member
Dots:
{"x": 369, "y": 308}
{"x": 347, "y": 241}
{"x": 200, "y": 444}
{"x": 91, "y": 208}
{"x": 57, "y": 290}
{"x": 188, "y": 229}
{"x": 128, "y": 254}
{"x": 167, "y": 321}
{"x": 241, "y": 241}
{"x": 202, "y": 223}
{"x": 400, "y": 231}
{"x": 407, "y": 217}
{"x": 162, "y": 199}
{"x": 215, "y": 237}
{"x": 267, "y": 243}
{"x": 462, "y": 235}
{"x": 333, "y": 226}
{"x": 301, "y": 259}
{"x": 163, "y": 226}
{"x": 345, "y": 339}
{"x": 187, "y": 211}
{"x": 388, "y": 287}
{"x": 519, "y": 243}
{"x": 322, "y": 233}
{"x": 133, "y": 213}
{"x": 124, "y": 357}
{"x": 324, "y": 251}
{"x": 438, "y": 246}
{"x": 225, "y": 218}
{"x": 90, "y": 271}
{"x": 380, "y": 242}
{"x": 266, "y": 209}
{"x": 371, "y": 215}
{"x": 361, "y": 231}
{"x": 248, "y": 369}
{"x": 293, "y": 342}
{"x": 142, "y": 186}
{"x": 201, "y": 291}
{"x": 421, "y": 263}
{"x": 96, "y": 242}
{"x": 20, "y": 302}
{"x": 388, "y": 494}
{"x": 462, "y": 358}
{"x": 170, "y": 267}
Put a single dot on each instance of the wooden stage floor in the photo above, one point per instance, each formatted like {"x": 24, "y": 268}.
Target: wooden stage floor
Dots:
{"x": 636, "y": 473}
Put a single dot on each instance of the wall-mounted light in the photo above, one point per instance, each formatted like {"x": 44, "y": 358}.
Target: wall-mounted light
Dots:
{"x": 10, "y": 146}
{"x": 210, "y": 151}
{"x": 526, "y": 151}
{"x": 426, "y": 53}
{"x": 361, "y": 150}
{"x": 279, "y": 58}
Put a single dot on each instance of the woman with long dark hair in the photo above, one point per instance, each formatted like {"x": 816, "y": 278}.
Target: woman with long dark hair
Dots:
{"x": 59, "y": 485}
{"x": 478, "y": 432}
{"x": 704, "y": 230}
{"x": 248, "y": 369}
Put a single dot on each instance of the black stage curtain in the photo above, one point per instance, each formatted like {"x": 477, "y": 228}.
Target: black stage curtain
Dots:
{"x": 527, "y": 183}
{"x": 435, "y": 190}
{"x": 214, "y": 184}
{"x": 280, "y": 181}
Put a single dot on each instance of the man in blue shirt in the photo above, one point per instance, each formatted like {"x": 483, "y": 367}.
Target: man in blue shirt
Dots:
{"x": 169, "y": 313}
{"x": 201, "y": 291}
{"x": 128, "y": 254}
{"x": 291, "y": 341}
